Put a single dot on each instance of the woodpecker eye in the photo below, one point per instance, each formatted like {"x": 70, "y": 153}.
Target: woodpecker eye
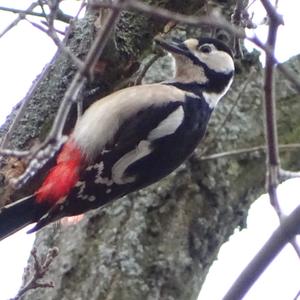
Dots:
{"x": 205, "y": 49}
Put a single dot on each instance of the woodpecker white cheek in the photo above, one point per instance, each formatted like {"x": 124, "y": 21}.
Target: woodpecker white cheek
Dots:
{"x": 218, "y": 61}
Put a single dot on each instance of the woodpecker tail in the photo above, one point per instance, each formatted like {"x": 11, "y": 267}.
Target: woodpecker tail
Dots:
{"x": 17, "y": 215}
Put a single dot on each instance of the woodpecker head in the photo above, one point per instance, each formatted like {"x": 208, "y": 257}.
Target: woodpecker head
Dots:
{"x": 204, "y": 64}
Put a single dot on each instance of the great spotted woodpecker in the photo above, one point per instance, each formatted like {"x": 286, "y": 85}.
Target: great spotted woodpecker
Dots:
{"x": 131, "y": 138}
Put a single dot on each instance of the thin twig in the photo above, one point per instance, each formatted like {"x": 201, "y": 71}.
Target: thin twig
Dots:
{"x": 80, "y": 77}
{"x": 297, "y": 296}
{"x": 44, "y": 14}
{"x": 146, "y": 67}
{"x": 250, "y": 4}
{"x": 287, "y": 147}
{"x": 237, "y": 19}
{"x": 40, "y": 268}
{"x": 235, "y": 103}
{"x": 287, "y": 230}
{"x": 270, "y": 110}
{"x": 285, "y": 175}
{"x": 54, "y": 7}
{"x": 20, "y": 17}
{"x": 61, "y": 46}
{"x": 291, "y": 76}
{"x": 82, "y": 6}
{"x": 283, "y": 235}
{"x": 5, "y": 141}
{"x": 60, "y": 16}
{"x": 273, "y": 161}
{"x": 55, "y": 137}
{"x": 25, "y": 12}
{"x": 214, "y": 20}
{"x": 25, "y": 101}
{"x": 15, "y": 153}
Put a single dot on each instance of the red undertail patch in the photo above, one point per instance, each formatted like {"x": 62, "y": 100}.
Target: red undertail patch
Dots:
{"x": 62, "y": 177}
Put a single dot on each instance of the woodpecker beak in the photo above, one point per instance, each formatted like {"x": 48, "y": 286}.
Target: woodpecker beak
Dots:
{"x": 174, "y": 46}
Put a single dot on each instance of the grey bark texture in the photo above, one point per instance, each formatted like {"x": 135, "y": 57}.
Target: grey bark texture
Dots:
{"x": 159, "y": 243}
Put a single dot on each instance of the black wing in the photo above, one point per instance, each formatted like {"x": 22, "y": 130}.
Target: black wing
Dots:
{"x": 136, "y": 157}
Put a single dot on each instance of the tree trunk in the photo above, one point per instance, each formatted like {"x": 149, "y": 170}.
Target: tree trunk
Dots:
{"x": 159, "y": 243}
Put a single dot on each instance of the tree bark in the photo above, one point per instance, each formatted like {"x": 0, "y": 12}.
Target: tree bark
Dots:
{"x": 159, "y": 243}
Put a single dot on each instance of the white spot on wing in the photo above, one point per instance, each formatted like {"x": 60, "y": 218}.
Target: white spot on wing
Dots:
{"x": 81, "y": 193}
{"x": 99, "y": 167}
{"x": 119, "y": 168}
{"x": 168, "y": 125}
{"x": 91, "y": 198}
{"x": 81, "y": 185}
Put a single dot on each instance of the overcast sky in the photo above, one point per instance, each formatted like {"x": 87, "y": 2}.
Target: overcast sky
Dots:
{"x": 23, "y": 53}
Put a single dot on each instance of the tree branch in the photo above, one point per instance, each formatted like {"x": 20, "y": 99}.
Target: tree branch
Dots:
{"x": 287, "y": 147}
{"x": 288, "y": 228}
{"x": 60, "y": 15}
{"x": 41, "y": 267}
{"x": 55, "y": 138}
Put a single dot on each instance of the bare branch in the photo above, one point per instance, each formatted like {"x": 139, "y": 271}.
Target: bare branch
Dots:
{"x": 287, "y": 147}
{"x": 297, "y": 296}
{"x": 25, "y": 12}
{"x": 270, "y": 109}
{"x": 15, "y": 153}
{"x": 40, "y": 268}
{"x": 60, "y": 15}
{"x": 146, "y": 67}
{"x": 215, "y": 19}
{"x": 61, "y": 46}
{"x": 285, "y": 175}
{"x": 54, "y": 139}
{"x": 288, "y": 228}
{"x": 211, "y": 20}
{"x": 18, "y": 19}
{"x": 273, "y": 161}
{"x": 235, "y": 103}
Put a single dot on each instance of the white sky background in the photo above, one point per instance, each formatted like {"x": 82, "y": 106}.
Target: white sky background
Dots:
{"x": 24, "y": 51}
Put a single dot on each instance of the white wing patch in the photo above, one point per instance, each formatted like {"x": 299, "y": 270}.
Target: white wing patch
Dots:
{"x": 119, "y": 168}
{"x": 168, "y": 125}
